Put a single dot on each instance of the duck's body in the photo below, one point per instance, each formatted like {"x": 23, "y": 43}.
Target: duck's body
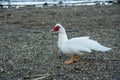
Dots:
{"x": 76, "y": 45}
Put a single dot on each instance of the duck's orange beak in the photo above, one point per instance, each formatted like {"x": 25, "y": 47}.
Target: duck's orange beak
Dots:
{"x": 52, "y": 30}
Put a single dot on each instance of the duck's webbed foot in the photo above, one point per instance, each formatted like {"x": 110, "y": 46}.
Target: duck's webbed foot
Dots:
{"x": 73, "y": 58}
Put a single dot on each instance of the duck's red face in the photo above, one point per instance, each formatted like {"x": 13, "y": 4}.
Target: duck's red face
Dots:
{"x": 56, "y": 28}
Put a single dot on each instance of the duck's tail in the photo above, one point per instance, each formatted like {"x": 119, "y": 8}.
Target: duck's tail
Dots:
{"x": 103, "y": 48}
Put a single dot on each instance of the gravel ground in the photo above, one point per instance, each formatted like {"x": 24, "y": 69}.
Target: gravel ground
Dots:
{"x": 28, "y": 51}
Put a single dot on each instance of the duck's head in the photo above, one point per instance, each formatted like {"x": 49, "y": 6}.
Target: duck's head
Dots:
{"x": 58, "y": 28}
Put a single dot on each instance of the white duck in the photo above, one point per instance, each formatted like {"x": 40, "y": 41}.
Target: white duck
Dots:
{"x": 76, "y": 45}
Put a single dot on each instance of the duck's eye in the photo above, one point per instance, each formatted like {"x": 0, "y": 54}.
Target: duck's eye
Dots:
{"x": 56, "y": 28}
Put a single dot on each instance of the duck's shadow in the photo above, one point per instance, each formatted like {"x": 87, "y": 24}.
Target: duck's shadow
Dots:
{"x": 87, "y": 58}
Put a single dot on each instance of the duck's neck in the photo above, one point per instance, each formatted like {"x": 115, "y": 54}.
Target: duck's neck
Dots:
{"x": 62, "y": 37}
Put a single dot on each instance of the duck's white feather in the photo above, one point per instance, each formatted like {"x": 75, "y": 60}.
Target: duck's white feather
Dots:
{"x": 81, "y": 44}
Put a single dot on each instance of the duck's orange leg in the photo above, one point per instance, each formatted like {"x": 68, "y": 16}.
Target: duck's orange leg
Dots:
{"x": 73, "y": 58}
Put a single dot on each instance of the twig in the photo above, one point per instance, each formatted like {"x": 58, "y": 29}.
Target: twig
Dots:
{"x": 38, "y": 77}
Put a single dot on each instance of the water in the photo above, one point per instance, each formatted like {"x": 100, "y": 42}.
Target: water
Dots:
{"x": 37, "y": 3}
